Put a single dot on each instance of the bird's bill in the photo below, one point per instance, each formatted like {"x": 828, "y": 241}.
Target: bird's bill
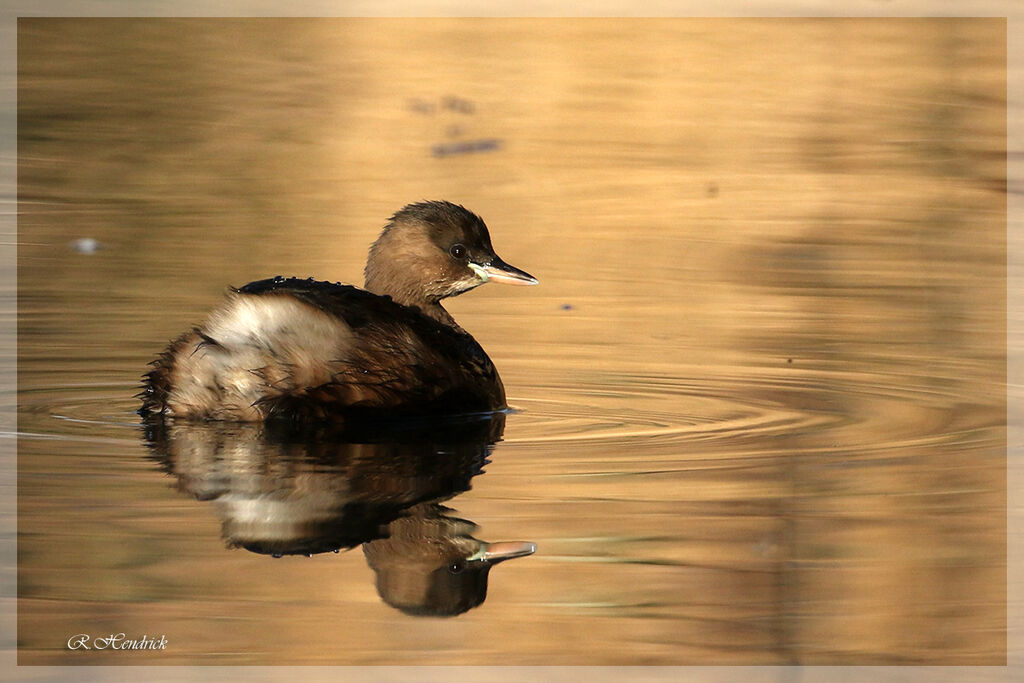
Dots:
{"x": 499, "y": 271}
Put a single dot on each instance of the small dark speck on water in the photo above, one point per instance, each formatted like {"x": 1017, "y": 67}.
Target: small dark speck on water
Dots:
{"x": 458, "y": 104}
{"x": 789, "y": 360}
{"x": 421, "y": 107}
{"x": 566, "y": 307}
{"x": 712, "y": 189}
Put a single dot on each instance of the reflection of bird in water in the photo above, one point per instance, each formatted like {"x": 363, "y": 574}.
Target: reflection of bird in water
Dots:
{"x": 285, "y": 491}
{"x": 302, "y": 350}
{"x": 429, "y": 565}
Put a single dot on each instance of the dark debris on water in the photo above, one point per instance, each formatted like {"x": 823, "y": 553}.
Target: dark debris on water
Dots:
{"x": 447, "y": 149}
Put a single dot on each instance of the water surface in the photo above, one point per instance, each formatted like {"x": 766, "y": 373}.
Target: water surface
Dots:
{"x": 759, "y": 397}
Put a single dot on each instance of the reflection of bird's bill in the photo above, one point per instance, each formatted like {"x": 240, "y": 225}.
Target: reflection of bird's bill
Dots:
{"x": 506, "y": 550}
{"x": 499, "y": 271}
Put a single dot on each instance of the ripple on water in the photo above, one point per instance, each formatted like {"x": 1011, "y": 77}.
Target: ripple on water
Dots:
{"x": 747, "y": 410}
{"x": 744, "y": 409}
{"x": 658, "y": 410}
{"x": 78, "y": 410}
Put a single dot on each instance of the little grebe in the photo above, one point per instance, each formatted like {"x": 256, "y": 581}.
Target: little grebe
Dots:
{"x": 306, "y": 350}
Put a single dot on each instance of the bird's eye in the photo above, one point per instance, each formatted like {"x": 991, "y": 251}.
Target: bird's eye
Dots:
{"x": 458, "y": 251}
{"x": 456, "y": 567}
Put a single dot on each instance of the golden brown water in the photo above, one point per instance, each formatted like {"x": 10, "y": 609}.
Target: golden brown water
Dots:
{"x": 760, "y": 391}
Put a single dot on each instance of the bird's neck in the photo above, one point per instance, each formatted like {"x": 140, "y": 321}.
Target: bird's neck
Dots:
{"x": 436, "y": 311}
{"x": 410, "y": 296}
